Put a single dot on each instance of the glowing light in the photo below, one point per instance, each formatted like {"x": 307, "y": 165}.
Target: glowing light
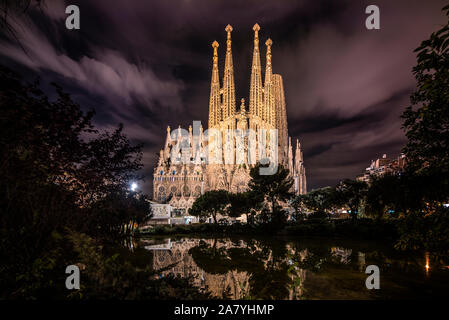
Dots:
{"x": 427, "y": 262}
{"x": 133, "y": 186}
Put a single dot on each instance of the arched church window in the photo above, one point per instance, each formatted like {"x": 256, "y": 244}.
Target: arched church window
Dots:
{"x": 197, "y": 191}
{"x": 186, "y": 191}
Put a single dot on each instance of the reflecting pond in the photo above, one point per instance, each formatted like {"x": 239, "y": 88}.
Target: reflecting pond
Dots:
{"x": 239, "y": 268}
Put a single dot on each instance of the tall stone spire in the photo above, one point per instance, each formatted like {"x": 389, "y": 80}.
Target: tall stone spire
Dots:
{"x": 290, "y": 156}
{"x": 298, "y": 152}
{"x": 214, "y": 101}
{"x": 167, "y": 143}
{"x": 228, "y": 79}
{"x": 269, "y": 112}
{"x": 168, "y": 137}
{"x": 281, "y": 117}
{"x": 299, "y": 171}
{"x": 255, "y": 91}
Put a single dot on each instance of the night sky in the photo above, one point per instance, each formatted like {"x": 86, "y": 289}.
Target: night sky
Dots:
{"x": 147, "y": 64}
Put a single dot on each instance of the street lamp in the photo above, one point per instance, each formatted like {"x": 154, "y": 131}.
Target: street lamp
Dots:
{"x": 133, "y": 186}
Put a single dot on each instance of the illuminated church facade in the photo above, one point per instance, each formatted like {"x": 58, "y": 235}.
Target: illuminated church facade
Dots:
{"x": 195, "y": 161}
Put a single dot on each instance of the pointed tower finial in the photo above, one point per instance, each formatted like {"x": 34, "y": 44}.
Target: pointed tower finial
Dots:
{"x": 215, "y": 46}
{"x": 242, "y": 106}
{"x": 269, "y": 43}
{"x": 256, "y": 29}
{"x": 228, "y": 29}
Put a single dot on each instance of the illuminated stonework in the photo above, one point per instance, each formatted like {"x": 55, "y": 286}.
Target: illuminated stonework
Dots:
{"x": 190, "y": 172}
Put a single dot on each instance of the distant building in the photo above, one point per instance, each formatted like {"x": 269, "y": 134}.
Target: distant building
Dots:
{"x": 164, "y": 213}
{"x": 382, "y": 166}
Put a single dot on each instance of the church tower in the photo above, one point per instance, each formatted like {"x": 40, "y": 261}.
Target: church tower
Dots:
{"x": 228, "y": 80}
{"x": 256, "y": 89}
{"x": 214, "y": 100}
{"x": 299, "y": 171}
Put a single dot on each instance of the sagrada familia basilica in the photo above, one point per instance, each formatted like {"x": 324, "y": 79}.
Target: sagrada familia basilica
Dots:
{"x": 196, "y": 161}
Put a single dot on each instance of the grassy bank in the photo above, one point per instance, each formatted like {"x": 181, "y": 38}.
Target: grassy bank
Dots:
{"x": 360, "y": 229}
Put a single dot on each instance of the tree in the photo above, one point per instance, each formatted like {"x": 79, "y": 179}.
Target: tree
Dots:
{"x": 117, "y": 214}
{"x": 43, "y": 140}
{"x": 426, "y": 120}
{"x": 244, "y": 203}
{"x": 55, "y": 169}
{"x": 351, "y": 193}
{"x": 211, "y": 203}
{"x": 272, "y": 188}
{"x": 426, "y": 124}
{"x": 299, "y": 205}
{"x": 319, "y": 201}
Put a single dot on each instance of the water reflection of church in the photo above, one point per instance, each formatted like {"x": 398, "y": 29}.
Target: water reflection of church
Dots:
{"x": 175, "y": 253}
{"x": 231, "y": 285}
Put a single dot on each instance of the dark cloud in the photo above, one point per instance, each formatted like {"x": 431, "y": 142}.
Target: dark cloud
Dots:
{"x": 147, "y": 64}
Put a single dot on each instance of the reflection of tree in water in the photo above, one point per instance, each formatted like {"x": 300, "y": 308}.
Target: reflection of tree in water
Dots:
{"x": 266, "y": 265}
{"x": 309, "y": 258}
{"x": 210, "y": 258}
{"x": 261, "y": 269}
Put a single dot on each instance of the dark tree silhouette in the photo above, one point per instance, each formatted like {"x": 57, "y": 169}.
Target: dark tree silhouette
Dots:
{"x": 247, "y": 203}
{"x": 211, "y": 203}
{"x": 426, "y": 121}
{"x": 350, "y": 193}
{"x": 57, "y": 174}
{"x": 272, "y": 188}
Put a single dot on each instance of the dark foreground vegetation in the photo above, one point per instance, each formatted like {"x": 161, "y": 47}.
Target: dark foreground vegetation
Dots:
{"x": 65, "y": 198}
{"x": 363, "y": 229}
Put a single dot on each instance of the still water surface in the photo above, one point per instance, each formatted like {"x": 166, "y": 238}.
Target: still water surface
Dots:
{"x": 276, "y": 268}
